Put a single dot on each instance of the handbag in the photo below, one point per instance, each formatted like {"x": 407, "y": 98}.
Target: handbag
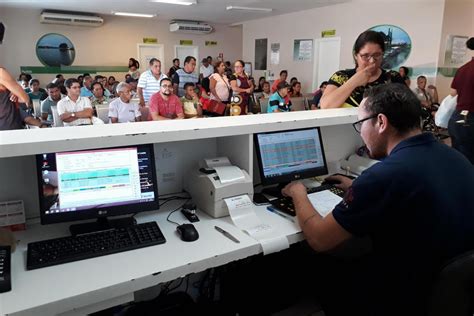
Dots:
{"x": 216, "y": 107}
{"x": 445, "y": 110}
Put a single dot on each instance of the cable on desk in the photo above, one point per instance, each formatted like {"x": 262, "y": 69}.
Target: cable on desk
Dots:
{"x": 176, "y": 209}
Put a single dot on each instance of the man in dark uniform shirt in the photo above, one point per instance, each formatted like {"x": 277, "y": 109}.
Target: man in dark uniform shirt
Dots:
{"x": 415, "y": 205}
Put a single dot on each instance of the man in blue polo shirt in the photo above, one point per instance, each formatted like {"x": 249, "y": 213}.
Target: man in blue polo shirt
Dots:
{"x": 416, "y": 206}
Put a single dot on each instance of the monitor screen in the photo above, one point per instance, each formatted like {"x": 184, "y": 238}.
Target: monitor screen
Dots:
{"x": 95, "y": 183}
{"x": 285, "y": 156}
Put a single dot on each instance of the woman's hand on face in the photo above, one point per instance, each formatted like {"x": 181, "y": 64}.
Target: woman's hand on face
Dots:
{"x": 363, "y": 75}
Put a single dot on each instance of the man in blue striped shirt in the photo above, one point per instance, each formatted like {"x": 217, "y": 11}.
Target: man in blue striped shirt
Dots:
{"x": 149, "y": 82}
{"x": 185, "y": 75}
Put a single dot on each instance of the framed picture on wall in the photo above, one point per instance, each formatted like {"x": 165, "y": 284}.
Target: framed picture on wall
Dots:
{"x": 456, "y": 50}
{"x": 397, "y": 45}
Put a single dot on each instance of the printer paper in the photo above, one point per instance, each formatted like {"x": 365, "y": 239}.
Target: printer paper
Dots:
{"x": 244, "y": 217}
{"x": 228, "y": 174}
{"x": 324, "y": 201}
{"x": 357, "y": 164}
{"x": 241, "y": 212}
{"x": 274, "y": 244}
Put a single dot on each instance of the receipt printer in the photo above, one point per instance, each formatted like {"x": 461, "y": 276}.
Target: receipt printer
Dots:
{"x": 215, "y": 180}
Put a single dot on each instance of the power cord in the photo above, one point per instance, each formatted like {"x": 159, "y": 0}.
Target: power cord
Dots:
{"x": 176, "y": 209}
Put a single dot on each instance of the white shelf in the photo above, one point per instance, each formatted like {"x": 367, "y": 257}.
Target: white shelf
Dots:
{"x": 30, "y": 142}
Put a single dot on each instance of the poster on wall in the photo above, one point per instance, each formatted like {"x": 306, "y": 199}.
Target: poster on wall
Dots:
{"x": 55, "y": 50}
{"x": 456, "y": 50}
{"x": 261, "y": 54}
{"x": 274, "y": 53}
{"x": 303, "y": 50}
{"x": 397, "y": 45}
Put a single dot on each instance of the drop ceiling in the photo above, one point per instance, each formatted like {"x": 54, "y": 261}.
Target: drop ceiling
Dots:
{"x": 211, "y": 11}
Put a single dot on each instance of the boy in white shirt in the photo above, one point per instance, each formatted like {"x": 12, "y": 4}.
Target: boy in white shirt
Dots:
{"x": 121, "y": 110}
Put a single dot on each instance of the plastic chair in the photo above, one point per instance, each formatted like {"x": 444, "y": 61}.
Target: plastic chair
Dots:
{"x": 37, "y": 107}
{"x": 453, "y": 291}
{"x": 264, "y": 105}
{"x": 57, "y": 122}
{"x": 298, "y": 104}
{"x": 103, "y": 114}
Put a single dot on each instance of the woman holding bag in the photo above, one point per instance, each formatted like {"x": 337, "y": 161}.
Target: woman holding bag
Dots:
{"x": 219, "y": 86}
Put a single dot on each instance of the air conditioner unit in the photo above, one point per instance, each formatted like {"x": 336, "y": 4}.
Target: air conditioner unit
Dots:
{"x": 190, "y": 27}
{"x": 70, "y": 18}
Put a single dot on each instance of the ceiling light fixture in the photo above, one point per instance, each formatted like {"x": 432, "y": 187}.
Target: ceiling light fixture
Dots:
{"x": 136, "y": 15}
{"x": 232, "y": 7}
{"x": 180, "y": 2}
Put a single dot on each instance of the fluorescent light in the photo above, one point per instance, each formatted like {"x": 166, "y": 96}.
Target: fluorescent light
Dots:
{"x": 137, "y": 15}
{"x": 180, "y": 2}
{"x": 232, "y": 7}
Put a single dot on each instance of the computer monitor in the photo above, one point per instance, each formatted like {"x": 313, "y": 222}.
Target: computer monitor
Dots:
{"x": 95, "y": 184}
{"x": 284, "y": 156}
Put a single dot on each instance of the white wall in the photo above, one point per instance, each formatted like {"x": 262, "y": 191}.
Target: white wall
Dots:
{"x": 109, "y": 45}
{"x": 458, "y": 20}
{"x": 422, "y": 20}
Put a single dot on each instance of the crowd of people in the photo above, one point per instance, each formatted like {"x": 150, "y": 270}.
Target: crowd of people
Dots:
{"x": 184, "y": 93}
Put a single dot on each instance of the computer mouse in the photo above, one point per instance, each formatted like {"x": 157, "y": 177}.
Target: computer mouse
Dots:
{"x": 187, "y": 232}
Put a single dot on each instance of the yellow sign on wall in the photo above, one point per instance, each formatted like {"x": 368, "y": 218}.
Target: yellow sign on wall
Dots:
{"x": 150, "y": 40}
{"x": 328, "y": 33}
{"x": 186, "y": 42}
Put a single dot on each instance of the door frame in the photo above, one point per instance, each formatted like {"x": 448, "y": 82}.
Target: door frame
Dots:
{"x": 196, "y": 48}
{"x": 160, "y": 47}
{"x": 317, "y": 43}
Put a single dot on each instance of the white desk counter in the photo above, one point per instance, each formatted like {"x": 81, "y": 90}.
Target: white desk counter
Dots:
{"x": 28, "y": 142}
{"x": 90, "y": 285}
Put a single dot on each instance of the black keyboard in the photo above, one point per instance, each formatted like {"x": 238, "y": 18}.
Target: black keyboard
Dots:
{"x": 285, "y": 204}
{"x": 67, "y": 249}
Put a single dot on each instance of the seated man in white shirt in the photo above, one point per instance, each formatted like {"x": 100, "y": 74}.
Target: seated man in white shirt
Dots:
{"x": 121, "y": 110}
{"x": 75, "y": 110}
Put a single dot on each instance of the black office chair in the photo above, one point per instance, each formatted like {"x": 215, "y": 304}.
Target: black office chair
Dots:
{"x": 453, "y": 292}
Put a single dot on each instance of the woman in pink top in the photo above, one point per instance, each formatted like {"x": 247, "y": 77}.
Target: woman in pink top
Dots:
{"x": 219, "y": 84}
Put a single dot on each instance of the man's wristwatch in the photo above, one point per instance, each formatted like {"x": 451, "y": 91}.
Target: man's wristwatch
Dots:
{"x": 73, "y": 114}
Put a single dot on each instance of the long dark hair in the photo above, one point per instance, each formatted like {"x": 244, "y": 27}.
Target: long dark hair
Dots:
{"x": 369, "y": 37}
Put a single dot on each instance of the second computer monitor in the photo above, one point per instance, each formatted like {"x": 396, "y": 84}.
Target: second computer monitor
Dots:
{"x": 284, "y": 156}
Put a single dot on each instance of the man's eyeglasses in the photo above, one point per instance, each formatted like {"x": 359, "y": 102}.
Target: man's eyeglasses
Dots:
{"x": 167, "y": 86}
{"x": 358, "y": 125}
{"x": 366, "y": 57}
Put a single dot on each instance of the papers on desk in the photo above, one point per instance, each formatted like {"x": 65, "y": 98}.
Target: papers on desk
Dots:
{"x": 324, "y": 201}
{"x": 244, "y": 217}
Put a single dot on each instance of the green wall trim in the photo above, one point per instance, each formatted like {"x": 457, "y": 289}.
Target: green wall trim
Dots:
{"x": 431, "y": 71}
{"x": 72, "y": 69}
